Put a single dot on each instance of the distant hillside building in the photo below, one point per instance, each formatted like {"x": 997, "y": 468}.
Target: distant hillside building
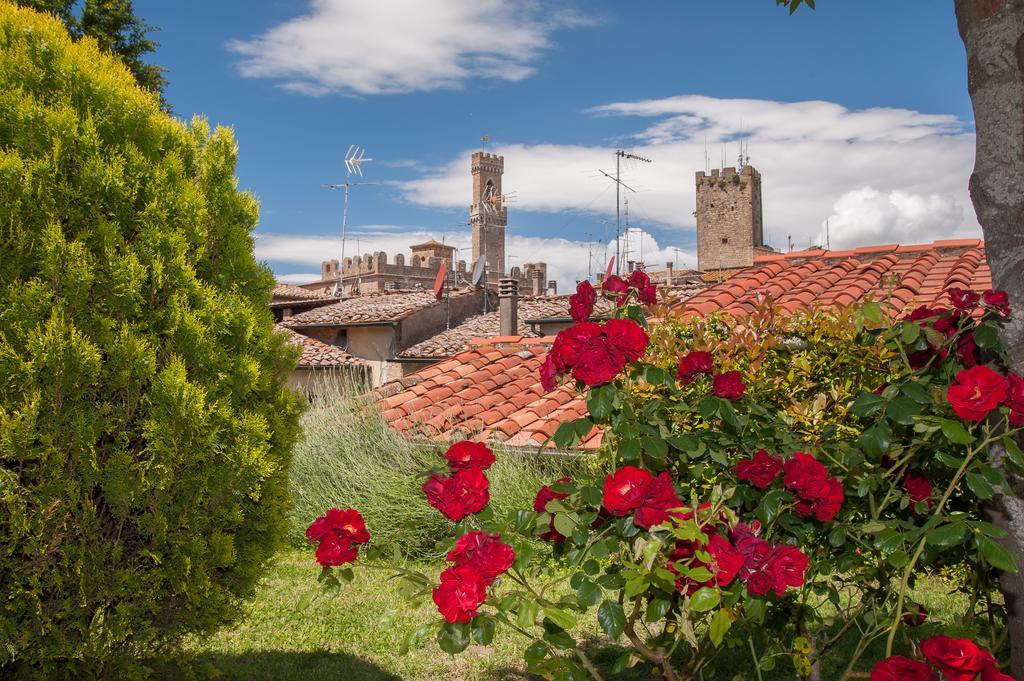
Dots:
{"x": 488, "y": 219}
{"x": 730, "y": 231}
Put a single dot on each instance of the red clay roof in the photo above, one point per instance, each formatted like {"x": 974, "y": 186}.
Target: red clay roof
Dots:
{"x": 284, "y": 292}
{"x": 370, "y": 309}
{"x": 316, "y": 354}
{"x": 906, "y": 276}
{"x": 490, "y": 392}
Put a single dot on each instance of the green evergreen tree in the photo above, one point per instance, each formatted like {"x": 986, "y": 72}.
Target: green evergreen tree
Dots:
{"x": 145, "y": 423}
{"x": 113, "y": 24}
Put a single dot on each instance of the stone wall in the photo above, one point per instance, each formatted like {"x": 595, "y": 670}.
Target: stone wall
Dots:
{"x": 729, "y": 218}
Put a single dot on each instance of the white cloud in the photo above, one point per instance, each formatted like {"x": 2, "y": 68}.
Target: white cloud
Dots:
{"x": 810, "y": 154}
{"x": 370, "y": 47}
{"x": 867, "y": 215}
{"x": 567, "y": 260}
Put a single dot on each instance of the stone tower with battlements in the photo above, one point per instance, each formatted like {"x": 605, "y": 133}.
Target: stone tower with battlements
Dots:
{"x": 729, "y": 225}
{"x": 488, "y": 215}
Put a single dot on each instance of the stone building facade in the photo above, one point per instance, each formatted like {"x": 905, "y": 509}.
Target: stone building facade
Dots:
{"x": 730, "y": 231}
{"x": 488, "y": 219}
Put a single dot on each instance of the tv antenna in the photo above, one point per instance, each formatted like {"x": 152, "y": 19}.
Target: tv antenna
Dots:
{"x": 484, "y": 139}
{"x": 493, "y": 201}
{"x": 619, "y": 184}
{"x": 354, "y": 158}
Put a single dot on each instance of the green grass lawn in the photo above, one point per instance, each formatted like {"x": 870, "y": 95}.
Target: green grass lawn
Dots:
{"x": 356, "y": 636}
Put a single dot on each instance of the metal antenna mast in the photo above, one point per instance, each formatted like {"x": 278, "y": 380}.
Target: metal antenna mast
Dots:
{"x": 619, "y": 184}
{"x": 353, "y": 158}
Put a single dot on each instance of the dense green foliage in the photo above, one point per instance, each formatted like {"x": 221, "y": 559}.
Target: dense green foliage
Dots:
{"x": 114, "y": 26}
{"x": 145, "y": 426}
{"x": 349, "y": 456}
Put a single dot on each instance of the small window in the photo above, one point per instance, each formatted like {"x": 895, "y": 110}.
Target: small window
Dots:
{"x": 725, "y": 240}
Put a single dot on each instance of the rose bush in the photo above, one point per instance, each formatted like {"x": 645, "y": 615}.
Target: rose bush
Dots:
{"x": 768, "y": 484}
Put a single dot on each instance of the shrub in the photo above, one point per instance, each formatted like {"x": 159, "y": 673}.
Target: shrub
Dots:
{"x": 349, "y": 456}
{"x": 722, "y": 526}
{"x": 145, "y": 427}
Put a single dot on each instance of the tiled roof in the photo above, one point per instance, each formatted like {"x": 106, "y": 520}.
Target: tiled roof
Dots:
{"x": 490, "y": 392}
{"x": 318, "y": 354}
{"x": 457, "y": 338}
{"x": 283, "y": 292}
{"x": 905, "y": 276}
{"x": 368, "y": 309}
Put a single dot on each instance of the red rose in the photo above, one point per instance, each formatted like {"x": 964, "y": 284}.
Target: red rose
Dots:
{"x": 923, "y": 312}
{"x": 728, "y": 385}
{"x": 761, "y": 470}
{"x": 595, "y": 354}
{"x": 540, "y": 502}
{"x": 957, "y": 658}
{"x": 991, "y": 673}
{"x": 816, "y": 493}
{"x": 918, "y": 487}
{"x": 660, "y": 497}
{"x": 975, "y": 392}
{"x": 627, "y": 337}
{"x": 966, "y": 349}
{"x": 581, "y": 303}
{"x": 898, "y": 668}
{"x": 462, "y": 494}
{"x": 998, "y": 301}
{"x": 1015, "y": 399}
{"x": 460, "y": 593}
{"x": 645, "y": 290}
{"x": 339, "y": 533}
{"x": 334, "y": 550}
{"x": 965, "y": 301}
{"x": 693, "y": 364}
{"x": 614, "y": 284}
{"x": 786, "y": 567}
{"x": 726, "y": 560}
{"x": 626, "y": 489}
{"x": 485, "y": 553}
{"x": 466, "y": 454}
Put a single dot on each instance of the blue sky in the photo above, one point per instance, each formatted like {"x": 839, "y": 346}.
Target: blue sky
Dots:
{"x": 856, "y": 112}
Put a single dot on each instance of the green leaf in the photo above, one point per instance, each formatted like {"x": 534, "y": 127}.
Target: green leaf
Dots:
{"x": 1013, "y": 452}
{"x": 704, "y": 599}
{"x": 755, "y": 609}
{"x": 453, "y": 637}
{"x": 612, "y": 619}
{"x": 535, "y": 652}
{"x": 986, "y": 335}
{"x": 413, "y": 638}
{"x": 898, "y": 559}
{"x": 482, "y": 629}
{"x": 720, "y": 623}
{"x": 888, "y": 540}
{"x": 629, "y": 449}
{"x": 876, "y": 439}
{"x": 565, "y": 435}
{"x": 867, "y": 404}
{"x": 524, "y": 554}
{"x": 583, "y": 426}
{"x": 560, "y": 617}
{"x": 769, "y": 507}
{"x": 527, "y": 615}
{"x": 699, "y": 574}
{"x": 996, "y": 555}
{"x": 916, "y": 392}
{"x": 565, "y": 524}
{"x": 654, "y": 447}
{"x": 346, "y": 574}
{"x": 657, "y": 609}
{"x": 600, "y": 400}
{"x": 909, "y": 332}
{"x": 955, "y": 432}
{"x": 306, "y": 599}
{"x": 588, "y": 593}
{"x": 557, "y": 636}
{"x": 980, "y": 486}
{"x": 949, "y": 534}
{"x": 872, "y": 310}
{"x": 902, "y": 410}
{"x": 591, "y": 495}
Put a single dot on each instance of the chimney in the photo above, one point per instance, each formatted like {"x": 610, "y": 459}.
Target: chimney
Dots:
{"x": 668, "y": 274}
{"x": 536, "y": 282}
{"x": 552, "y": 287}
{"x": 508, "y": 307}
{"x": 630, "y": 265}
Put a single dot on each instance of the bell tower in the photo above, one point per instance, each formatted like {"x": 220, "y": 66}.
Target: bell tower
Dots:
{"x": 488, "y": 215}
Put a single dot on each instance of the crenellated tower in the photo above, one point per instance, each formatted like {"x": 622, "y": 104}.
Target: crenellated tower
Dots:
{"x": 488, "y": 215}
{"x": 730, "y": 232}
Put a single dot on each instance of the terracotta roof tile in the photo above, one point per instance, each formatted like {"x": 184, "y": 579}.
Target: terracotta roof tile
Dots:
{"x": 907, "y": 276}
{"x": 369, "y": 309}
{"x": 316, "y": 354}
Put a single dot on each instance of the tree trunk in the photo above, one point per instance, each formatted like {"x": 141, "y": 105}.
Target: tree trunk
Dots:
{"x": 993, "y": 35}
